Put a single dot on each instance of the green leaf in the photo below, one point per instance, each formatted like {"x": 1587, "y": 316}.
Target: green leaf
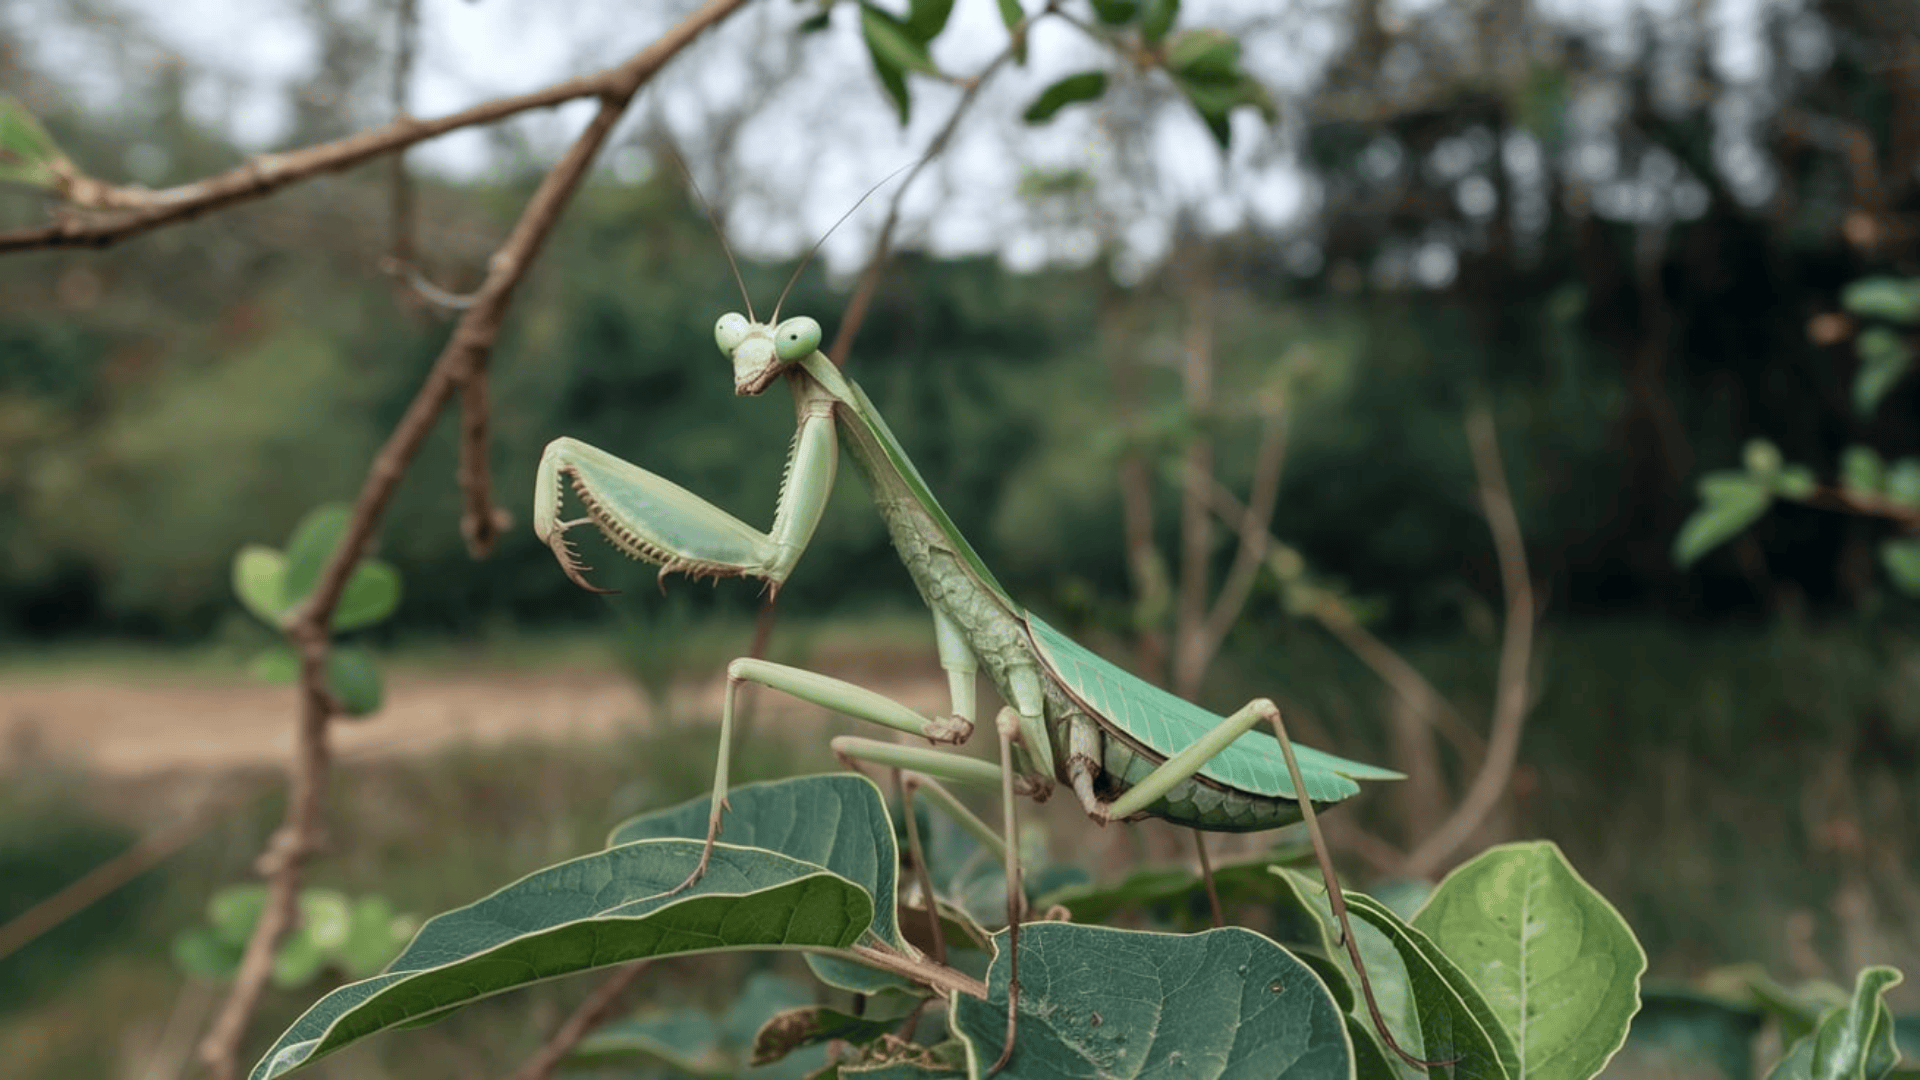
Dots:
{"x": 1902, "y": 560}
{"x": 1854, "y": 1042}
{"x": 894, "y": 41}
{"x": 1903, "y": 482}
{"x": 1081, "y": 86}
{"x": 375, "y": 935}
{"x": 837, "y": 820}
{"x": 1116, "y": 12}
{"x": 1099, "y": 1002}
{"x": 1761, "y": 458}
{"x": 1862, "y": 472}
{"x": 1884, "y": 357}
{"x": 327, "y": 917}
{"x": 815, "y": 23}
{"x": 601, "y": 909}
{"x": 27, "y": 153}
{"x": 354, "y": 679}
{"x": 1157, "y": 18}
{"x": 1556, "y": 961}
{"x": 258, "y": 572}
{"x": 232, "y": 911}
{"x": 1451, "y": 1018}
{"x": 200, "y": 952}
{"x": 1795, "y": 482}
{"x": 1893, "y": 299}
{"x": 1204, "y": 53}
{"x": 926, "y": 18}
{"x": 299, "y": 961}
{"x": 372, "y": 592}
{"x": 1732, "y": 502}
{"x": 308, "y": 549}
{"x": 1010, "y": 13}
{"x": 684, "y": 1039}
{"x": 278, "y": 664}
{"x": 810, "y": 1025}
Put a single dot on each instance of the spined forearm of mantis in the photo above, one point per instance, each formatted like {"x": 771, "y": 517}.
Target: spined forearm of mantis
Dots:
{"x": 1125, "y": 748}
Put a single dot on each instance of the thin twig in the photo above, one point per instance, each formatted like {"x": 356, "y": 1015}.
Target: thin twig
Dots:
{"x": 591, "y": 1014}
{"x": 1262, "y": 493}
{"x": 862, "y": 299}
{"x": 459, "y": 365}
{"x": 1403, "y": 678}
{"x": 145, "y": 209}
{"x": 1516, "y": 650}
{"x": 148, "y": 852}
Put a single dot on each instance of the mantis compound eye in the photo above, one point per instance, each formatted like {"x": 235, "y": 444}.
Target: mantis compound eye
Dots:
{"x": 795, "y": 338}
{"x": 730, "y": 331}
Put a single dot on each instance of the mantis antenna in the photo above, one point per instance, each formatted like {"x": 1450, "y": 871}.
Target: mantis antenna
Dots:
{"x": 714, "y": 220}
{"x": 815, "y": 249}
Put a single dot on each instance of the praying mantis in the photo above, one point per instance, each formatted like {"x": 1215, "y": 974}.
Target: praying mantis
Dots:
{"x": 1125, "y": 748}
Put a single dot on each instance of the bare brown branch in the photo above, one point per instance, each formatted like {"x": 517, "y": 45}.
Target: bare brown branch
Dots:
{"x": 591, "y": 1014}
{"x": 1262, "y": 492}
{"x": 139, "y": 209}
{"x": 1516, "y": 653}
{"x": 462, "y": 366}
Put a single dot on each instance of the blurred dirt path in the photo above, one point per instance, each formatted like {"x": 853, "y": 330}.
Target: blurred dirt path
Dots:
{"x": 127, "y": 726}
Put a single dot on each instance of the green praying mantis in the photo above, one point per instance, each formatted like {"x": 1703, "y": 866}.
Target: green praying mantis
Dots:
{"x": 1125, "y": 748}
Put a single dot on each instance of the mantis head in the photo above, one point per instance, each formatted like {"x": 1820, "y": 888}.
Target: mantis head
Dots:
{"x": 760, "y": 350}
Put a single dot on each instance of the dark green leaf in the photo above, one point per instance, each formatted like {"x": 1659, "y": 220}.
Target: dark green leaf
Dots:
{"x": 27, "y": 153}
{"x": 1098, "y": 1002}
{"x": 1554, "y": 959}
{"x": 1204, "y": 54}
{"x": 370, "y": 596}
{"x": 1731, "y": 504}
{"x": 926, "y": 18}
{"x": 1116, "y": 12}
{"x": 1010, "y": 13}
{"x": 810, "y": 1025}
{"x": 1893, "y": 299}
{"x": 1884, "y": 357}
{"x": 258, "y": 572}
{"x": 813, "y": 24}
{"x": 606, "y": 908}
{"x": 1082, "y": 86}
{"x": 1902, "y": 560}
{"x": 838, "y": 821}
{"x": 891, "y": 40}
{"x": 354, "y": 679}
{"x": 1156, "y": 19}
{"x": 308, "y": 549}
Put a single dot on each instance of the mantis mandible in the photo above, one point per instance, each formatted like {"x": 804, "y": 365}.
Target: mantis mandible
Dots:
{"x": 1125, "y": 748}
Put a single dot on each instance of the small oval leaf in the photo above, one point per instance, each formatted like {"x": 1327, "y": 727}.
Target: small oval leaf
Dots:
{"x": 1884, "y": 358}
{"x": 1156, "y": 19}
{"x": 1893, "y": 299}
{"x": 313, "y": 540}
{"x": 1081, "y": 86}
{"x": 894, "y": 41}
{"x": 1732, "y": 503}
{"x": 926, "y": 18}
{"x": 1902, "y": 560}
{"x": 372, "y": 594}
{"x": 258, "y": 574}
{"x": 28, "y": 154}
{"x": 354, "y": 679}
